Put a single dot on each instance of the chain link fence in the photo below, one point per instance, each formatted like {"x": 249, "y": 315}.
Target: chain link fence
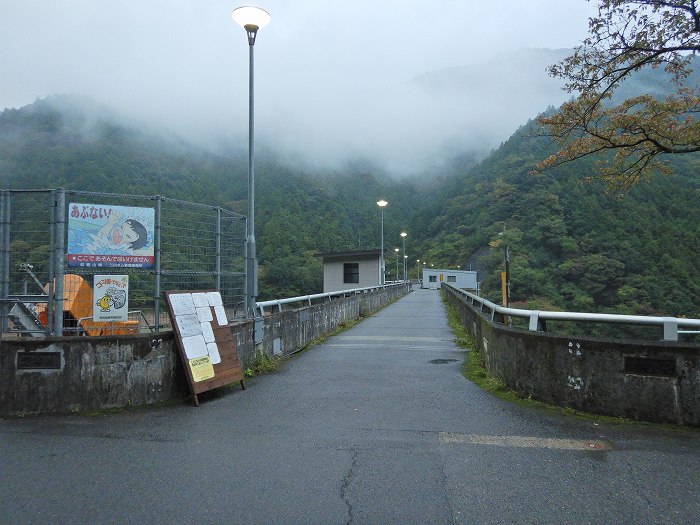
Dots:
{"x": 159, "y": 243}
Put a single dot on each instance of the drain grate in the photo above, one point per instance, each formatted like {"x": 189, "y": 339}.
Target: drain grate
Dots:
{"x": 442, "y": 361}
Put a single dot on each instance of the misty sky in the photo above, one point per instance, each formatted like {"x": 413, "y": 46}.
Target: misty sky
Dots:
{"x": 332, "y": 77}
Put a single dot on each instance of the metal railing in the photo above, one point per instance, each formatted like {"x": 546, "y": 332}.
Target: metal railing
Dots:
{"x": 537, "y": 318}
{"x": 260, "y": 306}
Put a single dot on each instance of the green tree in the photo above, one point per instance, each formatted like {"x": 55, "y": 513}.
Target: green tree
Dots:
{"x": 632, "y": 136}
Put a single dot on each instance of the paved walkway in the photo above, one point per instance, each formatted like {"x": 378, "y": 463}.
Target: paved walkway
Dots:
{"x": 377, "y": 425}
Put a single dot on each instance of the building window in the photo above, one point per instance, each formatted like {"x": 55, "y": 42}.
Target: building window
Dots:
{"x": 433, "y": 278}
{"x": 451, "y": 278}
{"x": 351, "y": 272}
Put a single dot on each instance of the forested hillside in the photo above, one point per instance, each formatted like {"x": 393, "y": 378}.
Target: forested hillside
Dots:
{"x": 573, "y": 246}
{"x": 74, "y": 143}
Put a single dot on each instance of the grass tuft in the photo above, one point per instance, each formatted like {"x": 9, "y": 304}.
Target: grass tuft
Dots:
{"x": 475, "y": 370}
{"x": 262, "y": 364}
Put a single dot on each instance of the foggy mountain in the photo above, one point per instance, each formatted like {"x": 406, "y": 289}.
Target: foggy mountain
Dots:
{"x": 572, "y": 246}
{"x": 76, "y": 143}
{"x": 485, "y": 103}
{"x": 419, "y": 124}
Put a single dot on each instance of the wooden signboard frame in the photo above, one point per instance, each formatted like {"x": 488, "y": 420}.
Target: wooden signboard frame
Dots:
{"x": 189, "y": 311}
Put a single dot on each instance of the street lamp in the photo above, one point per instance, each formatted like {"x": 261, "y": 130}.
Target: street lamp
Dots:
{"x": 251, "y": 19}
{"x": 403, "y": 238}
{"x": 397, "y": 263}
{"x": 418, "y": 269}
{"x": 382, "y": 203}
{"x": 405, "y": 267}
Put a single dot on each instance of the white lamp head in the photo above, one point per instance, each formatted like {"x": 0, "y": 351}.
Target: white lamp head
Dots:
{"x": 251, "y": 19}
{"x": 403, "y": 234}
{"x": 382, "y": 203}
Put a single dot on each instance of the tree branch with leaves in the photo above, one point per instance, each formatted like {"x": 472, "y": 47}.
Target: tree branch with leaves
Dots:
{"x": 629, "y": 138}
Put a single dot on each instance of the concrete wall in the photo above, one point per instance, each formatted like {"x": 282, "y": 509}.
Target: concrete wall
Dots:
{"x": 655, "y": 381}
{"x": 93, "y": 373}
{"x": 290, "y": 330}
{"x": 333, "y": 274}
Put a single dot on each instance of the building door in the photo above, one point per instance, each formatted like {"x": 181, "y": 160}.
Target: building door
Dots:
{"x": 432, "y": 282}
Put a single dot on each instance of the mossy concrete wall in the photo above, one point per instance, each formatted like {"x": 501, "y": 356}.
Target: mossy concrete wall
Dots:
{"x": 89, "y": 373}
{"x": 656, "y": 381}
{"x": 66, "y": 374}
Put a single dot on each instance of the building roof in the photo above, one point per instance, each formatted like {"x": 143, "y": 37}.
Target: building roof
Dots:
{"x": 351, "y": 254}
{"x": 447, "y": 270}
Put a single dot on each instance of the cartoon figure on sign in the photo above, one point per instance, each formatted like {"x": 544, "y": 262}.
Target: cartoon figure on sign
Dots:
{"x": 110, "y": 236}
{"x": 113, "y": 298}
{"x": 130, "y": 233}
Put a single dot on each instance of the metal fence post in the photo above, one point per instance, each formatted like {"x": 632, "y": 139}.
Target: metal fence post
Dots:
{"x": 59, "y": 258}
{"x": 156, "y": 242}
{"x": 218, "y": 249}
{"x": 52, "y": 264}
{"x": 5, "y": 260}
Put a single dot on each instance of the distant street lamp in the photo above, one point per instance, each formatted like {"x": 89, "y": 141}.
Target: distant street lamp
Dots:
{"x": 403, "y": 238}
{"x": 397, "y": 263}
{"x": 405, "y": 267}
{"x": 382, "y": 269}
{"x": 417, "y": 268}
{"x": 251, "y": 19}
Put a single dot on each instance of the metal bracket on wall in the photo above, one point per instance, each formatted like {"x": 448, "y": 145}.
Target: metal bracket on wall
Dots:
{"x": 670, "y": 329}
{"x": 537, "y": 324}
{"x": 258, "y": 330}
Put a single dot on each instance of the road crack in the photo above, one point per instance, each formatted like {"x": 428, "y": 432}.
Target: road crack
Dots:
{"x": 346, "y": 485}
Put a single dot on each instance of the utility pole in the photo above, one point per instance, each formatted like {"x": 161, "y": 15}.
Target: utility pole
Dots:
{"x": 505, "y": 282}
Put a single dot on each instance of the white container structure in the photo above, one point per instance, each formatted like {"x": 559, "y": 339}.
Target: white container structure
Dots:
{"x": 462, "y": 279}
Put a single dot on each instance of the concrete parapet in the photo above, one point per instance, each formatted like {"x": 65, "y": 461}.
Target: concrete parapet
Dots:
{"x": 656, "y": 381}
{"x": 288, "y": 331}
{"x": 66, "y": 374}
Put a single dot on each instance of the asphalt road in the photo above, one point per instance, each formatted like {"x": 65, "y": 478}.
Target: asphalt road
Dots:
{"x": 377, "y": 425}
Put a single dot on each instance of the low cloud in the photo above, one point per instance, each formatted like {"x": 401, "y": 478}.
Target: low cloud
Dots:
{"x": 334, "y": 80}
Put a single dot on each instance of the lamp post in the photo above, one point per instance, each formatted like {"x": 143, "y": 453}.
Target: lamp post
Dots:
{"x": 417, "y": 268}
{"x": 251, "y": 19}
{"x": 403, "y": 238}
{"x": 397, "y": 263}
{"x": 382, "y": 204}
{"x": 405, "y": 267}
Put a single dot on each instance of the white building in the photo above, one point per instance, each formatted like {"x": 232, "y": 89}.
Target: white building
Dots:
{"x": 350, "y": 269}
{"x": 465, "y": 280}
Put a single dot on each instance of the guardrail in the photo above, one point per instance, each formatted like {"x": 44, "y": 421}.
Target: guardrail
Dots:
{"x": 537, "y": 318}
{"x": 327, "y": 295}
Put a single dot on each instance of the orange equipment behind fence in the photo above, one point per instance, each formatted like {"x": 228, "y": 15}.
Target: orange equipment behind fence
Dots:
{"x": 77, "y": 311}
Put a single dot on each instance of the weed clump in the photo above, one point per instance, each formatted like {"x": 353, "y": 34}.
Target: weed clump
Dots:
{"x": 262, "y": 364}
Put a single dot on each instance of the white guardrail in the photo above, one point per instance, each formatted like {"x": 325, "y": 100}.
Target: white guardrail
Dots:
{"x": 328, "y": 295}
{"x": 670, "y": 325}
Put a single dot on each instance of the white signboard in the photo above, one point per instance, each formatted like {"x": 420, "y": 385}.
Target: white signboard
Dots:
{"x": 106, "y": 236}
{"x": 110, "y": 298}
